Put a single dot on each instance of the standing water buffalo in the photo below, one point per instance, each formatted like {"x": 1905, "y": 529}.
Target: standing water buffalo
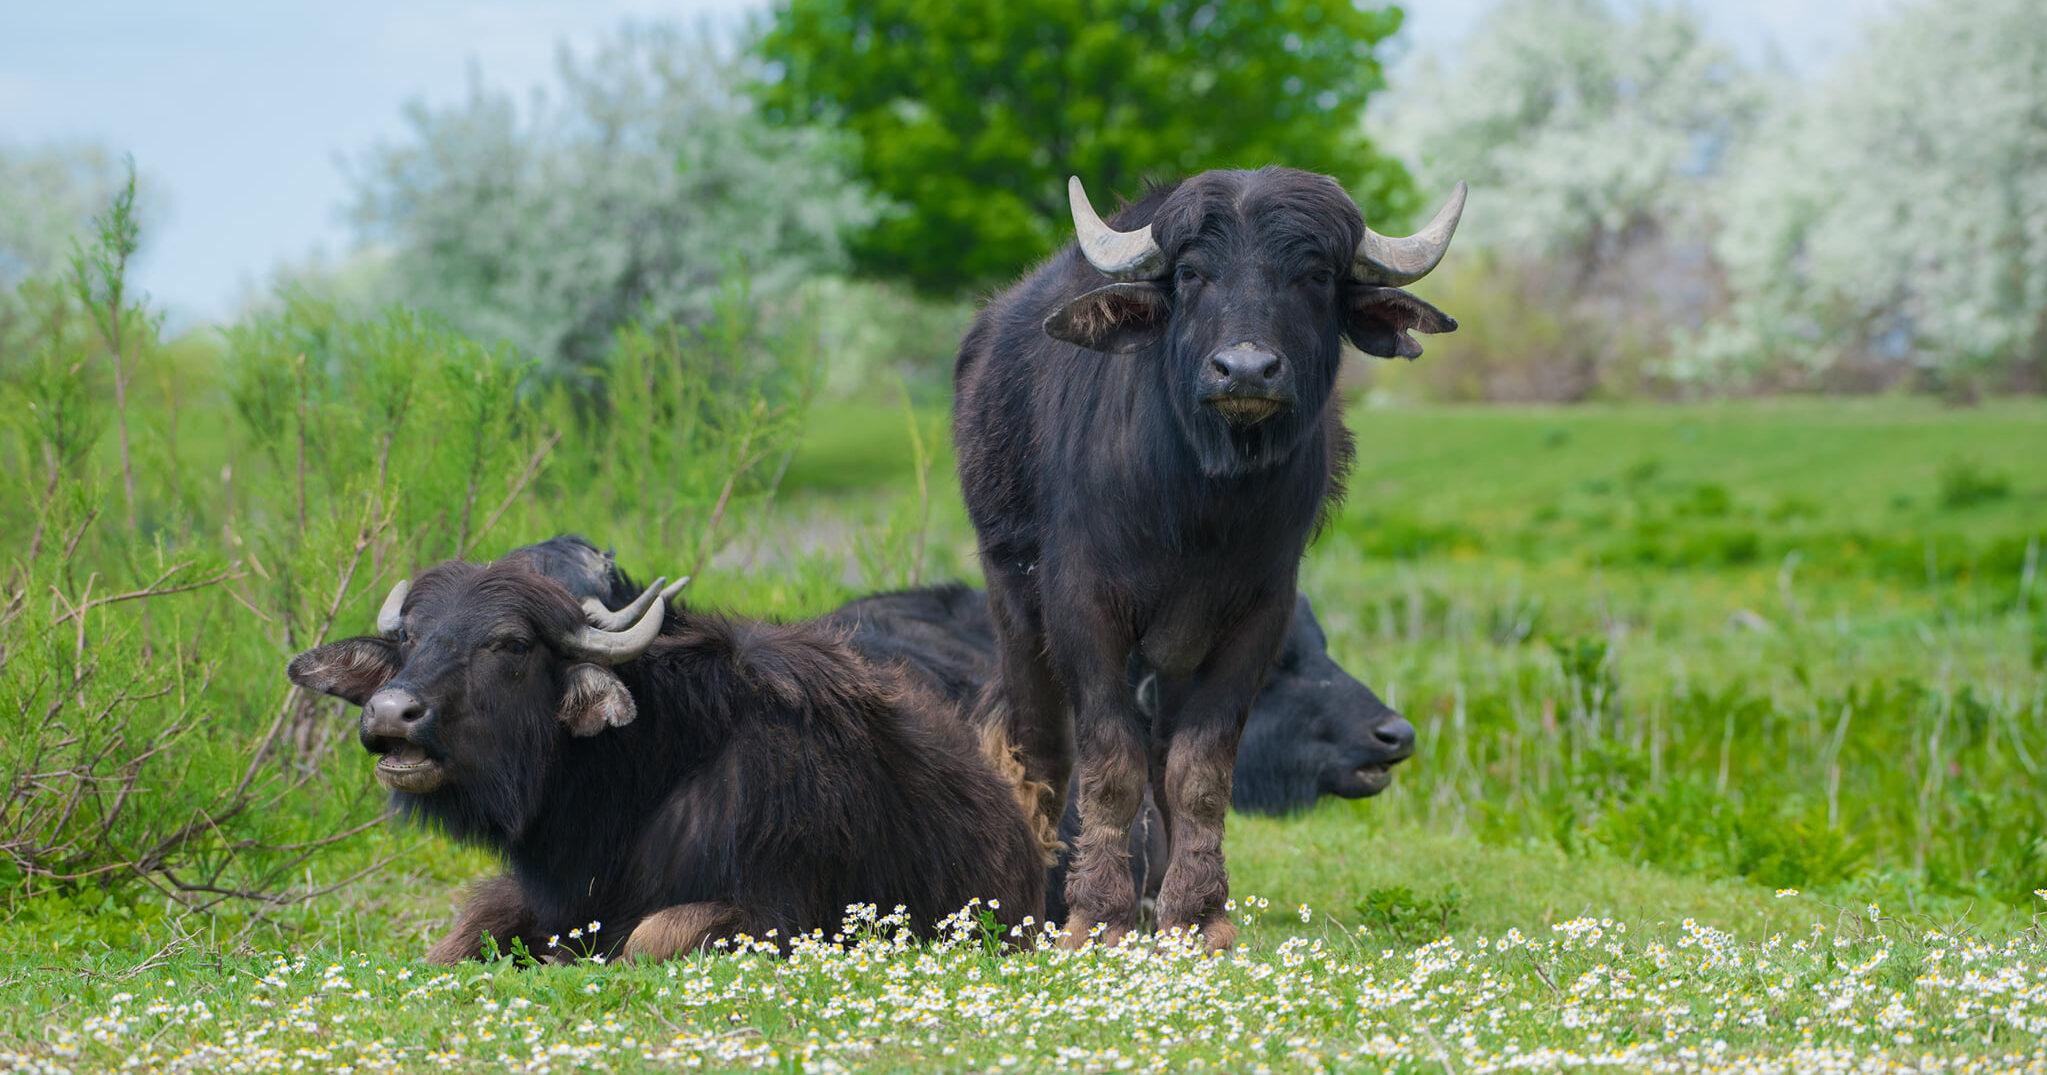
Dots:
{"x": 678, "y": 785}
{"x": 1147, "y": 436}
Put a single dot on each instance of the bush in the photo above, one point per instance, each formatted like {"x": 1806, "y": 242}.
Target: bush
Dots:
{"x": 150, "y": 737}
{"x": 1409, "y": 917}
{"x": 1964, "y": 483}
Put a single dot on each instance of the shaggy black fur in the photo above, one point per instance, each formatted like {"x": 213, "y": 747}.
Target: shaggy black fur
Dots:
{"x": 770, "y": 778}
{"x": 1124, "y": 504}
{"x": 1313, "y": 729}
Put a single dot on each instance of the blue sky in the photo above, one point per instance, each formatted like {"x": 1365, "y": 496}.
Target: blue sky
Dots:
{"x": 241, "y": 111}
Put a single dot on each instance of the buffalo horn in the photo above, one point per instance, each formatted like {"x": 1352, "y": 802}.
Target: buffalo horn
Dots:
{"x": 1391, "y": 262}
{"x": 603, "y": 645}
{"x": 597, "y": 615}
{"x": 392, "y": 615}
{"x": 1118, "y": 255}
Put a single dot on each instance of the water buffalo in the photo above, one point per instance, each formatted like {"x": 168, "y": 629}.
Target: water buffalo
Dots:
{"x": 677, "y": 784}
{"x": 1313, "y": 730}
{"x": 1147, "y": 435}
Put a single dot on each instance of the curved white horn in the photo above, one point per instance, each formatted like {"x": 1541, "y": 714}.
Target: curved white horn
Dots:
{"x": 1118, "y": 255}
{"x": 599, "y": 615}
{"x": 392, "y": 615}
{"x": 599, "y": 646}
{"x": 1398, "y": 262}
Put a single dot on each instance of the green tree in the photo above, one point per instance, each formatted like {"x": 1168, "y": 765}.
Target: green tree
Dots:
{"x": 48, "y": 195}
{"x": 971, "y": 113}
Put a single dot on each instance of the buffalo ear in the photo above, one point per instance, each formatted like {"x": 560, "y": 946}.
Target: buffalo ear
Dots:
{"x": 1118, "y": 318}
{"x": 594, "y": 699}
{"x": 1379, "y": 319}
{"x": 351, "y": 669}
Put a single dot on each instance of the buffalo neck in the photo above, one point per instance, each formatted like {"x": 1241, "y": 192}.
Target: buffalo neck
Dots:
{"x": 603, "y": 789}
{"x": 1132, "y": 449}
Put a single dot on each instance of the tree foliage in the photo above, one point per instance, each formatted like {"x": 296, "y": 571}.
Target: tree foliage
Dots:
{"x": 1579, "y": 125}
{"x": 971, "y": 113}
{"x": 1591, "y": 135}
{"x": 639, "y": 188}
{"x": 1899, "y": 210}
{"x": 50, "y": 194}
{"x": 279, "y": 488}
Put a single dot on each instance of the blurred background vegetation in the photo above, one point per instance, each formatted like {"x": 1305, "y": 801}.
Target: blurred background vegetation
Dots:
{"x": 1793, "y": 641}
{"x": 1656, "y": 215}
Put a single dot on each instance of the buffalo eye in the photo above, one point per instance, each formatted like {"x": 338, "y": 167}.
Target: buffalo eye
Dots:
{"x": 1319, "y": 278}
{"x": 1187, "y": 275}
{"x": 516, "y": 647}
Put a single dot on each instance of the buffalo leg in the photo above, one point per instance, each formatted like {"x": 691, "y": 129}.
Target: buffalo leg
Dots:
{"x": 1024, "y": 699}
{"x": 1092, "y": 654}
{"x": 683, "y": 928}
{"x": 495, "y": 907}
{"x": 1200, "y": 761}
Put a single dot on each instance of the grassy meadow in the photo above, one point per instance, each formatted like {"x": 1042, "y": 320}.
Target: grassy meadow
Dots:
{"x": 1728, "y": 669}
{"x": 1731, "y": 719}
{"x": 1732, "y": 734}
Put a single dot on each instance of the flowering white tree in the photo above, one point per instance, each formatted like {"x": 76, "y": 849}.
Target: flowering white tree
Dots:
{"x": 641, "y": 188}
{"x": 1578, "y": 125}
{"x": 1899, "y": 210}
{"x": 1589, "y": 134}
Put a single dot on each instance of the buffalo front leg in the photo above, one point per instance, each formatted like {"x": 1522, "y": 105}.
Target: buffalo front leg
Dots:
{"x": 1200, "y": 760}
{"x": 495, "y": 907}
{"x": 681, "y": 929}
{"x": 1100, "y": 891}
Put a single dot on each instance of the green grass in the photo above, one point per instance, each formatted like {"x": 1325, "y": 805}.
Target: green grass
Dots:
{"x": 1358, "y": 990}
{"x": 1664, "y": 661}
{"x": 1740, "y": 640}
{"x": 1793, "y": 642}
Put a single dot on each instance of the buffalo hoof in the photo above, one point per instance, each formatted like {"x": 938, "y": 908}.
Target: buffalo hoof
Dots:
{"x": 1215, "y": 933}
{"x": 1080, "y": 931}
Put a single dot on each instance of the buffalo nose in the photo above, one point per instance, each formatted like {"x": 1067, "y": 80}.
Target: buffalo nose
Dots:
{"x": 1396, "y": 736}
{"x": 1245, "y": 368}
{"x": 390, "y": 712}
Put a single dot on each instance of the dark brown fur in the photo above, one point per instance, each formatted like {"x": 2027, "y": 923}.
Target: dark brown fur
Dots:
{"x": 762, "y": 766}
{"x": 680, "y": 930}
{"x": 493, "y": 906}
{"x": 1118, "y": 512}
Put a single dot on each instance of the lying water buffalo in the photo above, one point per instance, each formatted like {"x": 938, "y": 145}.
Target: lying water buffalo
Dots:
{"x": 1148, "y": 433}
{"x": 678, "y": 784}
{"x": 1313, "y": 730}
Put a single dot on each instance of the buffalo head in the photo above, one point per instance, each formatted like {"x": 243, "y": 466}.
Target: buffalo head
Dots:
{"x": 476, "y": 676}
{"x": 1314, "y": 730}
{"x": 1248, "y": 281}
